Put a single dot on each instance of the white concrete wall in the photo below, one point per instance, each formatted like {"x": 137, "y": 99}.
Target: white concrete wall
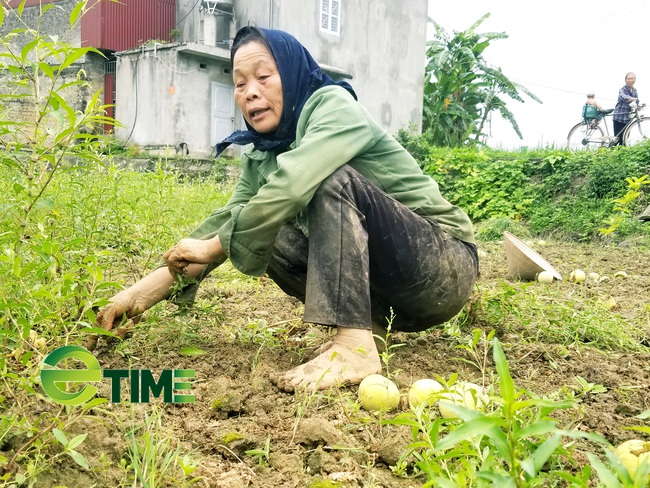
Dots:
{"x": 382, "y": 44}
{"x": 163, "y": 99}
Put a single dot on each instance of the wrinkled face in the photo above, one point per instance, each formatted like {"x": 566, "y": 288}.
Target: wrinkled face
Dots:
{"x": 258, "y": 87}
{"x": 630, "y": 79}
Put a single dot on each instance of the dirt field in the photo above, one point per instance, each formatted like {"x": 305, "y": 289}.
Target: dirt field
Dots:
{"x": 325, "y": 439}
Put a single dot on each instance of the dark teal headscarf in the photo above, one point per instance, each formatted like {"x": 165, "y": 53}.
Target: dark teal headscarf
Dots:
{"x": 301, "y": 77}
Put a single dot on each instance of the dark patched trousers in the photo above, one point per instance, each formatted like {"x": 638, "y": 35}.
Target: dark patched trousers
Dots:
{"x": 367, "y": 258}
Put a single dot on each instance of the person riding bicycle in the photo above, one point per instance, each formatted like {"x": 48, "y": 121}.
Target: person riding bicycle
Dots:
{"x": 628, "y": 99}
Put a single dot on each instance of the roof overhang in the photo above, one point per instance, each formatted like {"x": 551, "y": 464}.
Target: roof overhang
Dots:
{"x": 222, "y": 54}
{"x": 193, "y": 48}
{"x": 207, "y": 52}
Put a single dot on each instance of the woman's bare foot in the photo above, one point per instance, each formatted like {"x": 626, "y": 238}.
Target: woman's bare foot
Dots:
{"x": 351, "y": 357}
{"x": 317, "y": 351}
{"x": 379, "y": 333}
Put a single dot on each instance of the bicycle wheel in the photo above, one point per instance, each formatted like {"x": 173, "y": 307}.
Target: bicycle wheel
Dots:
{"x": 638, "y": 131}
{"x": 582, "y": 137}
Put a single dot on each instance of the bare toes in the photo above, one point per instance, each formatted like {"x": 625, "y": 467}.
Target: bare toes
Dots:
{"x": 286, "y": 385}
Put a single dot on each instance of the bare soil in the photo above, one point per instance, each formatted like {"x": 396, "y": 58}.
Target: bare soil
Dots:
{"x": 326, "y": 437}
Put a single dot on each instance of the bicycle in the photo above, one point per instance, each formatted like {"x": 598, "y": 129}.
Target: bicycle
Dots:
{"x": 594, "y": 133}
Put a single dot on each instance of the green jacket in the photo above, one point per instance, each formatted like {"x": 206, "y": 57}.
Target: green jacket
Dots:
{"x": 333, "y": 129}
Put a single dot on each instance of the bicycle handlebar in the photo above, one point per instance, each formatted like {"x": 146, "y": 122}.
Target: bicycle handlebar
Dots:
{"x": 638, "y": 108}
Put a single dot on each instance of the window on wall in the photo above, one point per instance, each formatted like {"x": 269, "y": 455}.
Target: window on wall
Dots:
{"x": 330, "y": 16}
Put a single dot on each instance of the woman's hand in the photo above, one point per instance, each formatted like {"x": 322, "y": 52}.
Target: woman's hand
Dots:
{"x": 126, "y": 308}
{"x": 120, "y": 315}
{"x": 189, "y": 251}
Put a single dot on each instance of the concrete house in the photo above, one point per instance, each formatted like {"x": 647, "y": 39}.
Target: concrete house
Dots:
{"x": 172, "y": 95}
{"x": 165, "y": 64}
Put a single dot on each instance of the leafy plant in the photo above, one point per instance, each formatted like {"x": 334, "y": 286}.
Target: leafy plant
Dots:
{"x": 548, "y": 192}
{"x": 388, "y": 349}
{"x": 623, "y": 205}
{"x": 40, "y": 437}
{"x": 461, "y": 89}
{"x": 478, "y": 347}
{"x": 66, "y": 213}
{"x": 41, "y": 72}
{"x": 518, "y": 444}
{"x": 69, "y": 446}
{"x": 42, "y": 136}
{"x": 50, "y": 138}
{"x": 587, "y": 388}
{"x": 490, "y": 188}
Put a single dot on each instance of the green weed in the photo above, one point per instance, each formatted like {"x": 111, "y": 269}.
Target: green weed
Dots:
{"x": 538, "y": 191}
{"x": 154, "y": 458}
{"x": 559, "y": 314}
{"x": 477, "y": 346}
{"x": 585, "y": 388}
{"x": 261, "y": 454}
{"x": 388, "y": 349}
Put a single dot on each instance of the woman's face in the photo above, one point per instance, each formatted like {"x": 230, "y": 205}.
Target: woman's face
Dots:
{"x": 258, "y": 87}
{"x": 629, "y": 80}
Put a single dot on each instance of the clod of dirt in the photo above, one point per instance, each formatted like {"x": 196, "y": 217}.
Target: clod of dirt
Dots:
{"x": 313, "y": 432}
{"x": 225, "y": 402}
{"x": 286, "y": 463}
{"x": 390, "y": 449}
{"x": 322, "y": 462}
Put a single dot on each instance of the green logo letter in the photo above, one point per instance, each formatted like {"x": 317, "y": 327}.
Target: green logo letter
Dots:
{"x": 50, "y": 377}
{"x": 164, "y": 385}
{"x": 183, "y": 385}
